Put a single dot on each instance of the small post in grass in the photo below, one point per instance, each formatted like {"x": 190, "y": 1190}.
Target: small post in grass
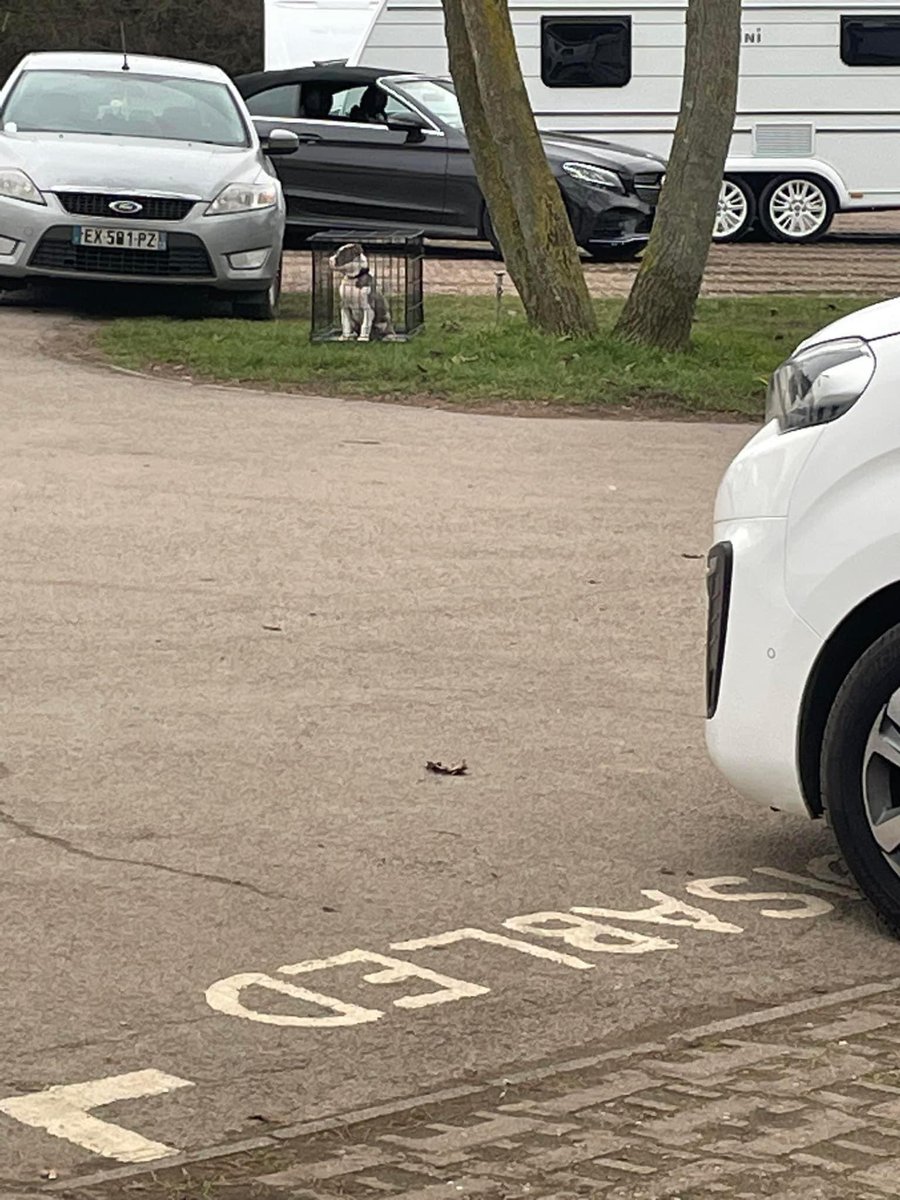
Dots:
{"x": 500, "y": 276}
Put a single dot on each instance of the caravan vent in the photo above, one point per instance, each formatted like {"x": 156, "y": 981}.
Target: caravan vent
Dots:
{"x": 783, "y": 141}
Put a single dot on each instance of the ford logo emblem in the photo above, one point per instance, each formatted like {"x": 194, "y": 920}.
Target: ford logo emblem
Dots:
{"x": 126, "y": 208}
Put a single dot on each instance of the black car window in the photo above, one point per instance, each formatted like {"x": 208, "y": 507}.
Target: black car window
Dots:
{"x": 586, "y": 51}
{"x": 276, "y": 102}
{"x": 870, "y": 41}
{"x": 349, "y": 104}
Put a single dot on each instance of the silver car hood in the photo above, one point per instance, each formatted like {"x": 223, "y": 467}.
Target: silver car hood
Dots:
{"x": 127, "y": 164}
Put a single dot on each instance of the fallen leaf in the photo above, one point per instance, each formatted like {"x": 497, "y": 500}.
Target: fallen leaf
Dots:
{"x": 273, "y": 628}
{"x": 437, "y": 768}
{"x": 693, "y": 557}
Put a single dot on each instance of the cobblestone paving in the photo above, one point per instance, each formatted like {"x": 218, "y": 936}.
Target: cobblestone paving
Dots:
{"x": 796, "y": 1103}
{"x": 858, "y": 267}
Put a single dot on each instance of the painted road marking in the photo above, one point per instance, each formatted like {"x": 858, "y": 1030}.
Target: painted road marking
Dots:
{"x": 583, "y": 934}
{"x": 666, "y": 910}
{"x": 396, "y": 970}
{"x": 809, "y": 906}
{"x": 225, "y": 997}
{"x": 582, "y": 928}
{"x": 493, "y": 939}
{"x": 65, "y": 1112}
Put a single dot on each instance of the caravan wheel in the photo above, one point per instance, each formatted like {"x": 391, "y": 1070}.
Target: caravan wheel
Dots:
{"x": 736, "y": 212}
{"x": 797, "y": 209}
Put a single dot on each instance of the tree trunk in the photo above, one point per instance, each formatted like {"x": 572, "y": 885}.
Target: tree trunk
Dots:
{"x": 526, "y": 206}
{"x": 660, "y": 309}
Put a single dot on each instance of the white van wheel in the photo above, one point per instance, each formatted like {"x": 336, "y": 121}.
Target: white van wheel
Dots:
{"x": 736, "y": 211}
{"x": 797, "y": 210}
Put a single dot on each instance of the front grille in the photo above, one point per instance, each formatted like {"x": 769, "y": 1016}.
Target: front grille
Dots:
{"x": 153, "y": 208}
{"x": 185, "y": 257}
{"x": 718, "y": 586}
{"x": 648, "y": 187}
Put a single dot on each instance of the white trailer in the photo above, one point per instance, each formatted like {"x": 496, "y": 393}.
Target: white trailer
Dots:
{"x": 818, "y": 127}
{"x": 302, "y": 32}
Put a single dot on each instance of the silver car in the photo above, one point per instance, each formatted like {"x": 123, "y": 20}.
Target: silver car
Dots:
{"x": 140, "y": 170}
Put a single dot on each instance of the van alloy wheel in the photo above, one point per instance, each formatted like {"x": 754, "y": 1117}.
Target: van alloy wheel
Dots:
{"x": 860, "y": 769}
{"x": 881, "y": 781}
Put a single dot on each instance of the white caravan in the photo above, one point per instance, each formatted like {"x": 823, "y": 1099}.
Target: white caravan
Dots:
{"x": 818, "y": 128}
{"x": 302, "y": 32}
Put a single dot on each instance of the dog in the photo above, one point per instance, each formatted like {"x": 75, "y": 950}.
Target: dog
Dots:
{"x": 364, "y": 310}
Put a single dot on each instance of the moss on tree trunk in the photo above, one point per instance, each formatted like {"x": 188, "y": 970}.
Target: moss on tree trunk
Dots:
{"x": 524, "y": 200}
{"x": 660, "y": 309}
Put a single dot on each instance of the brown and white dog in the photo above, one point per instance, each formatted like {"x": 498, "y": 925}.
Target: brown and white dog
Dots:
{"x": 364, "y": 310}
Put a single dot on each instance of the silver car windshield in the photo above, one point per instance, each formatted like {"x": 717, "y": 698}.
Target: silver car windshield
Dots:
{"x": 124, "y": 104}
{"x": 437, "y": 97}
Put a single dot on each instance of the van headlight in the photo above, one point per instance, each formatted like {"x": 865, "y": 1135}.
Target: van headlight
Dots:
{"x": 820, "y": 384}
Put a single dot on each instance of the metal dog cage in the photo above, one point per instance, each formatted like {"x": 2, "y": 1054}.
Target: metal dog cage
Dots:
{"x": 395, "y": 262}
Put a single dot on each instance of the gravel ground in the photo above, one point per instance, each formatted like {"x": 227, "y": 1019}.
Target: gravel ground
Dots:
{"x": 861, "y": 256}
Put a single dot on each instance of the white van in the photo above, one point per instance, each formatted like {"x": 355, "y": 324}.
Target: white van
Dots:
{"x": 818, "y": 126}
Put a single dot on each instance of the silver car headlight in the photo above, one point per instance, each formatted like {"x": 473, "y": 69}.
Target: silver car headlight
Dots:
{"x": 16, "y": 185}
{"x": 594, "y": 176}
{"x": 243, "y": 197}
{"x": 820, "y": 384}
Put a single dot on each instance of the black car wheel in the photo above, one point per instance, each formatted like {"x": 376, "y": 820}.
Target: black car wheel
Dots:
{"x": 613, "y": 254}
{"x": 861, "y": 775}
{"x": 259, "y": 306}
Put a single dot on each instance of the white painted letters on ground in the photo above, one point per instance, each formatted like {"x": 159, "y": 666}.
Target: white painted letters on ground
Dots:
{"x": 583, "y": 934}
{"x": 395, "y": 970}
{"x": 65, "y": 1112}
{"x": 804, "y": 907}
{"x": 225, "y": 997}
{"x": 493, "y": 939}
{"x": 666, "y": 910}
{"x": 587, "y": 929}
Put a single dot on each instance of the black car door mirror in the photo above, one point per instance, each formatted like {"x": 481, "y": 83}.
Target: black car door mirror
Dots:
{"x": 411, "y": 124}
{"x": 281, "y": 141}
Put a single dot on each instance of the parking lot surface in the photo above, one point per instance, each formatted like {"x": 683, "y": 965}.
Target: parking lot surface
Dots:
{"x": 235, "y": 627}
{"x": 861, "y": 257}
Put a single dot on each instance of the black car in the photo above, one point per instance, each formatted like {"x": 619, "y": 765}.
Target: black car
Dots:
{"x": 384, "y": 149}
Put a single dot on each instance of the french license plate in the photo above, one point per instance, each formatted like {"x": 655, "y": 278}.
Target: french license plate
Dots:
{"x": 118, "y": 239}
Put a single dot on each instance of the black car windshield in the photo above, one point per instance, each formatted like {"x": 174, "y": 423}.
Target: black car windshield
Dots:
{"x": 124, "y": 104}
{"x": 436, "y": 96}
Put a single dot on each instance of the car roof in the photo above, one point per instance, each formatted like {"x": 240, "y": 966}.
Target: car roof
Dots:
{"x": 337, "y": 73}
{"x": 141, "y": 63}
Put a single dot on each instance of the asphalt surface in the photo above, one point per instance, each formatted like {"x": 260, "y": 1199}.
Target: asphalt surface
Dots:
{"x": 234, "y": 627}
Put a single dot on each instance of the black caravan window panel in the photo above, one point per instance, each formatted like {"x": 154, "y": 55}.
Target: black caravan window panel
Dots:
{"x": 580, "y": 52}
{"x": 870, "y": 41}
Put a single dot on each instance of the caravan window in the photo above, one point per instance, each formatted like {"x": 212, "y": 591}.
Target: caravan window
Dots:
{"x": 586, "y": 51}
{"x": 870, "y": 41}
